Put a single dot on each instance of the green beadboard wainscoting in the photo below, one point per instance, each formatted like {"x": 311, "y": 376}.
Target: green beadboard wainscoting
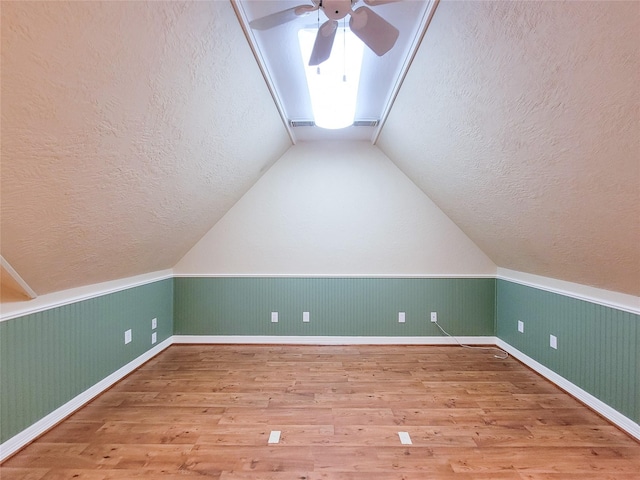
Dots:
{"x": 48, "y": 358}
{"x": 598, "y": 347}
{"x": 337, "y": 306}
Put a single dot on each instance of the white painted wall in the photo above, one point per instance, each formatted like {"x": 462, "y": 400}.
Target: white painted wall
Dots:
{"x": 337, "y": 208}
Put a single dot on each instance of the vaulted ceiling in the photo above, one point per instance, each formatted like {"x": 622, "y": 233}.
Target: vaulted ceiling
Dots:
{"x": 130, "y": 128}
{"x": 521, "y": 121}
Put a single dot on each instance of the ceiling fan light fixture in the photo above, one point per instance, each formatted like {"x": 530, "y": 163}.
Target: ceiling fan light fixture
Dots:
{"x": 333, "y": 91}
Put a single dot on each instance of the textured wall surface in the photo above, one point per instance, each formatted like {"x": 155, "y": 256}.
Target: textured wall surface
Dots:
{"x": 48, "y": 358}
{"x": 335, "y": 209}
{"x": 358, "y": 307}
{"x": 598, "y": 347}
{"x": 128, "y": 130}
{"x": 521, "y": 121}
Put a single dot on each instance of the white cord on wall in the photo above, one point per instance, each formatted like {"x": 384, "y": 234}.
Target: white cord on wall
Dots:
{"x": 503, "y": 355}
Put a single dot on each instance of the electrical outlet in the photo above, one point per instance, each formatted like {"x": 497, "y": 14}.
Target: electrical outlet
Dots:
{"x": 274, "y": 436}
{"x": 520, "y": 326}
{"x": 405, "y": 439}
{"x": 305, "y": 317}
{"x": 127, "y": 336}
{"x": 154, "y": 323}
{"x": 274, "y": 317}
{"x": 401, "y": 317}
{"x": 154, "y": 338}
{"x": 434, "y": 317}
{"x": 553, "y": 341}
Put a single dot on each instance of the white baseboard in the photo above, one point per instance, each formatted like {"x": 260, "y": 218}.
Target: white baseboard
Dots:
{"x": 329, "y": 340}
{"x": 29, "y": 434}
{"x": 592, "y": 402}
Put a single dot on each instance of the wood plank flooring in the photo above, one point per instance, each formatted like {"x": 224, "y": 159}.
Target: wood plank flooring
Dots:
{"x": 199, "y": 411}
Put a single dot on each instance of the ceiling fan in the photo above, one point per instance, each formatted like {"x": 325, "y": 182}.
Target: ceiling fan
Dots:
{"x": 374, "y": 31}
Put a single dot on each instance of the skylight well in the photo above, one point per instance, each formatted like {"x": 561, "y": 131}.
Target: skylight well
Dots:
{"x": 333, "y": 85}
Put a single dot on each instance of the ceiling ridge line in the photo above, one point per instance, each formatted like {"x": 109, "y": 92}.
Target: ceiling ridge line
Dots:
{"x": 404, "y": 69}
{"x": 244, "y": 21}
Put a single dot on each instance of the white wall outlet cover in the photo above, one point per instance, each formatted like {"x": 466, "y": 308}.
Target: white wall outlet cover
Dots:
{"x": 154, "y": 323}
{"x": 274, "y": 317}
{"x": 405, "y": 439}
{"x": 520, "y": 326}
{"x": 434, "y": 316}
{"x": 154, "y": 337}
{"x": 553, "y": 341}
{"x": 127, "y": 336}
{"x": 274, "y": 436}
{"x": 401, "y": 317}
{"x": 305, "y": 317}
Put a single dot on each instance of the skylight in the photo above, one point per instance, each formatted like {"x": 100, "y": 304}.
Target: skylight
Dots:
{"x": 333, "y": 85}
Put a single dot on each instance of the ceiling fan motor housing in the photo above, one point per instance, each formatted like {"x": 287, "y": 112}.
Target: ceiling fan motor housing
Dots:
{"x": 336, "y": 9}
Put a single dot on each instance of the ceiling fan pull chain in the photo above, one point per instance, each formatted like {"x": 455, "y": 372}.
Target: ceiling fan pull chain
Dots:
{"x": 344, "y": 48}
{"x": 319, "y": 5}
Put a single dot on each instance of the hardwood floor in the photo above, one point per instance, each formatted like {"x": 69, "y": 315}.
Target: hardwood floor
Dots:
{"x": 207, "y": 412}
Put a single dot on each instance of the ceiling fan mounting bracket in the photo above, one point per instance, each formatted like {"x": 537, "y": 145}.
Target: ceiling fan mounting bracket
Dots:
{"x": 336, "y": 9}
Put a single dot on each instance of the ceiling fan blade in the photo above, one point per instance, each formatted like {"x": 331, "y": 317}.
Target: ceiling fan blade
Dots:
{"x": 373, "y": 3}
{"x": 324, "y": 42}
{"x": 282, "y": 17}
{"x": 376, "y": 33}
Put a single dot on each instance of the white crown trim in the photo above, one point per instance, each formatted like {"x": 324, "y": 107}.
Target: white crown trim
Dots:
{"x": 48, "y": 301}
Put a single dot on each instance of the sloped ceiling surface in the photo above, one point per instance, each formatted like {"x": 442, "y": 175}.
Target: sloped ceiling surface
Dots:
{"x": 128, "y": 130}
{"x": 521, "y": 121}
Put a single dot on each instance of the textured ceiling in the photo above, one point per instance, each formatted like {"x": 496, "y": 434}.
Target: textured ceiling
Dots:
{"x": 130, "y": 128}
{"x": 124, "y": 134}
{"x": 521, "y": 121}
